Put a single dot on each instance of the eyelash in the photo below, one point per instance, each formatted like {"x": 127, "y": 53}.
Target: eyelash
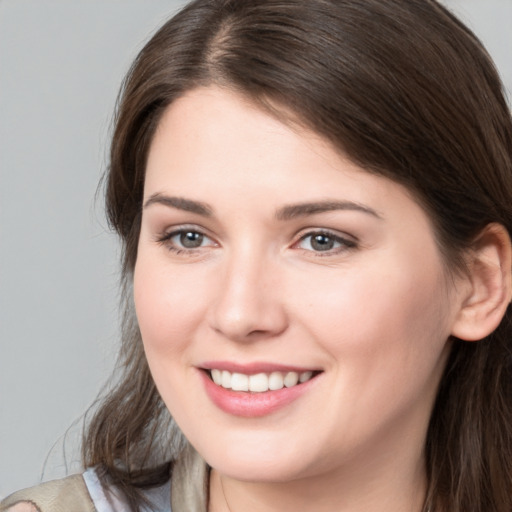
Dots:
{"x": 344, "y": 244}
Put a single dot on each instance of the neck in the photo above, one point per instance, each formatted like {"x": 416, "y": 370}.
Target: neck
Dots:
{"x": 391, "y": 487}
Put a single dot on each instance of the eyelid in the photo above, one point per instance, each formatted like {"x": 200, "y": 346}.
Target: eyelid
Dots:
{"x": 177, "y": 228}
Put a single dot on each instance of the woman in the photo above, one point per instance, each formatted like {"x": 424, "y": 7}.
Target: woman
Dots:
{"x": 314, "y": 201}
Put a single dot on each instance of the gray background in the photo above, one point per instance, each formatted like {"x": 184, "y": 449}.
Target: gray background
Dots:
{"x": 61, "y": 63}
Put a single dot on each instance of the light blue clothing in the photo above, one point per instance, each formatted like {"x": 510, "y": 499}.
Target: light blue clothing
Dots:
{"x": 160, "y": 497}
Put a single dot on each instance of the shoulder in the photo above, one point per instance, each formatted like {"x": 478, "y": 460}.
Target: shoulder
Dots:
{"x": 57, "y": 496}
{"x": 81, "y": 493}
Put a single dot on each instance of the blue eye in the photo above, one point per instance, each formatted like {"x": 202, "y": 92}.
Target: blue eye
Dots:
{"x": 323, "y": 241}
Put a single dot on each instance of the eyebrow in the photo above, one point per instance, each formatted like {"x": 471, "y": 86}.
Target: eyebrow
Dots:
{"x": 303, "y": 209}
{"x": 288, "y": 212}
{"x": 180, "y": 203}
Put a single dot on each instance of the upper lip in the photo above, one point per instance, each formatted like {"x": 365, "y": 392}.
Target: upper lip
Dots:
{"x": 254, "y": 368}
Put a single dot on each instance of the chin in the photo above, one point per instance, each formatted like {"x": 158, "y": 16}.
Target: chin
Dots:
{"x": 275, "y": 471}
{"x": 257, "y": 460}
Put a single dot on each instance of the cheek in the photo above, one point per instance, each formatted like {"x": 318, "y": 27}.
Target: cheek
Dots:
{"x": 169, "y": 305}
{"x": 386, "y": 337}
{"x": 392, "y": 324}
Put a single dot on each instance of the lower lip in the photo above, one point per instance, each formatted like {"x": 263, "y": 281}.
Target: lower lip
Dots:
{"x": 251, "y": 405}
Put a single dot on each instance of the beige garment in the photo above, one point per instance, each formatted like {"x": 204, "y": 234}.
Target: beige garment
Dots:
{"x": 67, "y": 495}
{"x": 189, "y": 485}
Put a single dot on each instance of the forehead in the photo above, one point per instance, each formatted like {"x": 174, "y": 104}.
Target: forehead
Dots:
{"x": 220, "y": 117}
{"x": 213, "y": 129}
{"x": 215, "y": 145}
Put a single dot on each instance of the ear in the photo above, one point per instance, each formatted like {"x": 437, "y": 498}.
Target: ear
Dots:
{"x": 489, "y": 275}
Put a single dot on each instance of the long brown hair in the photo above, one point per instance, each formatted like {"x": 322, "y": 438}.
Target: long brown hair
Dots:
{"x": 406, "y": 91}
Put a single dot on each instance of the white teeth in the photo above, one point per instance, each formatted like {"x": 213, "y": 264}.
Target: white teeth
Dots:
{"x": 304, "y": 376}
{"x": 239, "y": 382}
{"x": 291, "y": 379}
{"x": 275, "y": 381}
{"x": 217, "y": 377}
{"x": 226, "y": 380}
{"x": 260, "y": 382}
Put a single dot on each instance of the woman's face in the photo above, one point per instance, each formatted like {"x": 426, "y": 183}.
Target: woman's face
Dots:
{"x": 265, "y": 258}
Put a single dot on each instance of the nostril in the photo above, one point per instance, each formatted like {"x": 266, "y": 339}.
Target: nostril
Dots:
{"x": 246, "y": 308}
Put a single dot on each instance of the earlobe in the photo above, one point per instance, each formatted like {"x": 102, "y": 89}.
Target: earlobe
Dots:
{"x": 489, "y": 292}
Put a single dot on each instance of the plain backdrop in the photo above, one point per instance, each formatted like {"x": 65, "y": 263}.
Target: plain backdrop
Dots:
{"x": 61, "y": 64}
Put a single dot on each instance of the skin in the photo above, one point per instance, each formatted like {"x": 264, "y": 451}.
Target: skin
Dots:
{"x": 374, "y": 313}
{"x": 23, "y": 506}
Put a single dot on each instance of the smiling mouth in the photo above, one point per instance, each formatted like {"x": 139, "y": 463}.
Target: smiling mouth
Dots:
{"x": 259, "y": 382}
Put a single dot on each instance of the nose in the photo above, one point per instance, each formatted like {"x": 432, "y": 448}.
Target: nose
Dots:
{"x": 249, "y": 305}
